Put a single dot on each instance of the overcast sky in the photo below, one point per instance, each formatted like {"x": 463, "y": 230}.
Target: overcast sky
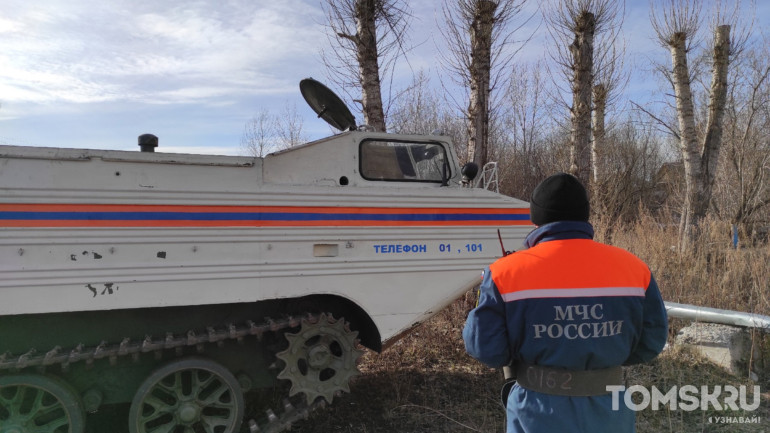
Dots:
{"x": 97, "y": 74}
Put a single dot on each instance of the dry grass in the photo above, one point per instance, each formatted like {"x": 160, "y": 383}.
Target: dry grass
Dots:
{"x": 427, "y": 383}
{"x": 678, "y": 366}
{"x": 714, "y": 274}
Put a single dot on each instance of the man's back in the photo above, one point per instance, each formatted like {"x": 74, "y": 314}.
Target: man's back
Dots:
{"x": 580, "y": 302}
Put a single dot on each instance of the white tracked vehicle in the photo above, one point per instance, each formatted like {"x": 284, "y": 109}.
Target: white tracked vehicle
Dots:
{"x": 176, "y": 283}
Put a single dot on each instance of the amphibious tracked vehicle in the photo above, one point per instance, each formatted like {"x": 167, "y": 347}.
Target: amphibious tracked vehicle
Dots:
{"x": 178, "y": 282}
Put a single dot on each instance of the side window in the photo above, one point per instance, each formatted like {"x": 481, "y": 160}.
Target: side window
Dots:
{"x": 403, "y": 161}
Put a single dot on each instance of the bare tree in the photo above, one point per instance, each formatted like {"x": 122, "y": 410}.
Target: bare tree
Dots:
{"x": 631, "y": 164}
{"x": 289, "y": 126}
{"x": 525, "y": 124}
{"x": 599, "y": 93}
{"x": 258, "y": 137}
{"x": 366, "y": 36}
{"x": 676, "y": 23}
{"x": 267, "y": 132}
{"x": 420, "y": 109}
{"x": 742, "y": 189}
{"x": 573, "y": 26}
{"x": 610, "y": 77}
{"x": 479, "y": 34}
{"x": 528, "y": 112}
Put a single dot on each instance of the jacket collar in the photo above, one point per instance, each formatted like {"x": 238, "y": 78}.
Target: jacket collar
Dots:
{"x": 559, "y": 230}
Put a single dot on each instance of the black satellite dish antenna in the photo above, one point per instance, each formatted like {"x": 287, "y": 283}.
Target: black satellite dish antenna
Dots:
{"x": 327, "y": 105}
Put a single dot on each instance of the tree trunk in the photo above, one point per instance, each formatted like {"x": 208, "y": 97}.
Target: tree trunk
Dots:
{"x": 712, "y": 141}
{"x": 480, "y": 70}
{"x": 688, "y": 139}
{"x": 598, "y": 144}
{"x": 368, "y": 67}
{"x": 700, "y": 161}
{"x": 582, "y": 50}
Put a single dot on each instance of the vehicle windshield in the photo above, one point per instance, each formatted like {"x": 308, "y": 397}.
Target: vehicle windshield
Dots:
{"x": 403, "y": 161}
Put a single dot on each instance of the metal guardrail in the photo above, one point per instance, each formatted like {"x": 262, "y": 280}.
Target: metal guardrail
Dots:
{"x": 715, "y": 315}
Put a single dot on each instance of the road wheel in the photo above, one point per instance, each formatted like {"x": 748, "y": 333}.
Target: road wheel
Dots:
{"x": 34, "y": 403}
{"x": 191, "y": 395}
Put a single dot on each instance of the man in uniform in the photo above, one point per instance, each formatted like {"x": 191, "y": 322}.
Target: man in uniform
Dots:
{"x": 567, "y": 312}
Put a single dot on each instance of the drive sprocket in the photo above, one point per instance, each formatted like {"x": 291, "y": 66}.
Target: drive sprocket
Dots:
{"x": 321, "y": 358}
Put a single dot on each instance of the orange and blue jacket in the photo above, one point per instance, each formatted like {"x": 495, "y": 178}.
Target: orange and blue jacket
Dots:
{"x": 566, "y": 302}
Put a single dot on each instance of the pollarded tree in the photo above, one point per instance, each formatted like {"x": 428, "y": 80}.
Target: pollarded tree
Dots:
{"x": 479, "y": 35}
{"x": 676, "y": 23}
{"x": 366, "y": 36}
{"x": 574, "y": 26}
{"x": 610, "y": 77}
{"x": 742, "y": 188}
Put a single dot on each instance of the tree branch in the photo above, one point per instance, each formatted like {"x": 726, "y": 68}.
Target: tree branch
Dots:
{"x": 660, "y": 121}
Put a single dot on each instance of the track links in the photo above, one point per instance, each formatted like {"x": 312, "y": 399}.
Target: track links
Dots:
{"x": 134, "y": 348}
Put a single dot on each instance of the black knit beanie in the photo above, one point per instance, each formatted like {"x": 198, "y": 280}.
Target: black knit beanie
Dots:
{"x": 560, "y": 197}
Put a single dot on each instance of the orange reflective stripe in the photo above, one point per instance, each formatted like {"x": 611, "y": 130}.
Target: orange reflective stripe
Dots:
{"x": 570, "y": 268}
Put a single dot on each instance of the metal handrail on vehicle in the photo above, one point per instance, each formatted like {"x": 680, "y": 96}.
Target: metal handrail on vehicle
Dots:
{"x": 488, "y": 178}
